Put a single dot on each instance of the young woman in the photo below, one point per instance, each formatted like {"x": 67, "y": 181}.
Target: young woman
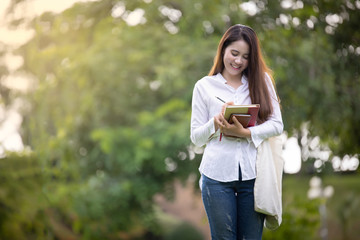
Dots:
{"x": 239, "y": 76}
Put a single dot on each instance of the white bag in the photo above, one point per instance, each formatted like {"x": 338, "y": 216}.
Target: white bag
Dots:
{"x": 268, "y": 183}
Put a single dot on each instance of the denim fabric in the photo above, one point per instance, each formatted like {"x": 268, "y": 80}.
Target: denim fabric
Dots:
{"x": 230, "y": 210}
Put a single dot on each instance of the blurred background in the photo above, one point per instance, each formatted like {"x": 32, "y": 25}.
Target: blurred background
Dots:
{"x": 95, "y": 104}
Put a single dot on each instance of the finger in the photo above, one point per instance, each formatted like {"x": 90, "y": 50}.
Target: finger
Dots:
{"x": 225, "y": 105}
{"x": 217, "y": 122}
{"x": 227, "y": 124}
{"x": 236, "y": 122}
{"x": 222, "y": 120}
{"x": 223, "y": 108}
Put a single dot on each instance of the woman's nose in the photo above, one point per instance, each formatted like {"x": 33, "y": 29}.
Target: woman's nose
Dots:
{"x": 238, "y": 60}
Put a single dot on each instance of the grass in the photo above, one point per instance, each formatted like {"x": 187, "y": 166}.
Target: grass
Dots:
{"x": 343, "y": 207}
{"x": 301, "y": 217}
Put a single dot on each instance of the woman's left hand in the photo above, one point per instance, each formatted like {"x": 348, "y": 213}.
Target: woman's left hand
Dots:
{"x": 235, "y": 129}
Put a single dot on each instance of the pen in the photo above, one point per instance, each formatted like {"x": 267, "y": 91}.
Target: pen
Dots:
{"x": 220, "y": 99}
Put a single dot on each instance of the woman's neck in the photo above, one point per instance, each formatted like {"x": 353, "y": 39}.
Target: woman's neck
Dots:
{"x": 233, "y": 81}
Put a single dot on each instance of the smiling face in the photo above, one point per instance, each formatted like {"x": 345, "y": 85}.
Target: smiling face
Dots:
{"x": 235, "y": 60}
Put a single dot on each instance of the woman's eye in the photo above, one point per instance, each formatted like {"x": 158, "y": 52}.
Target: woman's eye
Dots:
{"x": 234, "y": 53}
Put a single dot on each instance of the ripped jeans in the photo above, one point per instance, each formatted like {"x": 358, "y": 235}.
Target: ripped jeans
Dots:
{"x": 230, "y": 209}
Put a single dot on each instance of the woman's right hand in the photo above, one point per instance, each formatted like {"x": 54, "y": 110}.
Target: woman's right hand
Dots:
{"x": 219, "y": 119}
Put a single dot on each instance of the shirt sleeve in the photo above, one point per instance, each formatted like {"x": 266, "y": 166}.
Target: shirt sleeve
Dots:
{"x": 202, "y": 126}
{"x": 273, "y": 126}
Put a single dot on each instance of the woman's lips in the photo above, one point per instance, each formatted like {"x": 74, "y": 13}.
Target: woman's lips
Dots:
{"x": 236, "y": 67}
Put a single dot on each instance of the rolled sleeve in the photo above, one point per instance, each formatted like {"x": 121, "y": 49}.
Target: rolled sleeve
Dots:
{"x": 255, "y": 138}
{"x": 201, "y": 135}
{"x": 266, "y": 130}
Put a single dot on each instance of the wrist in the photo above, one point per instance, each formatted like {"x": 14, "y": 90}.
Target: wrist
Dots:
{"x": 245, "y": 133}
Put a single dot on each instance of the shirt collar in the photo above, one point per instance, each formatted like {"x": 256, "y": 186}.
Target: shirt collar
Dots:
{"x": 222, "y": 79}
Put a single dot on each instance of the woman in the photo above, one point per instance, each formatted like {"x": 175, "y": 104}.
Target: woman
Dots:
{"x": 239, "y": 76}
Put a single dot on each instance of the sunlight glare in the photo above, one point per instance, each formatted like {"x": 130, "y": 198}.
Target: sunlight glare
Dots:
{"x": 292, "y": 156}
{"x": 249, "y": 7}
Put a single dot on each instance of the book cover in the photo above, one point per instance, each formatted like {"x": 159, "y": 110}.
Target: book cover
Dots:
{"x": 244, "y": 119}
{"x": 252, "y": 110}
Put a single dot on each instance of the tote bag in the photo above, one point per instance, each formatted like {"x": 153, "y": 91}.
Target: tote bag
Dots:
{"x": 268, "y": 183}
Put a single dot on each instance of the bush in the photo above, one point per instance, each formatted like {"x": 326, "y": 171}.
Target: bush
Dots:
{"x": 300, "y": 218}
{"x": 184, "y": 231}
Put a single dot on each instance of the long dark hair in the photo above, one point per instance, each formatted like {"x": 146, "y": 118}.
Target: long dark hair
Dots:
{"x": 256, "y": 70}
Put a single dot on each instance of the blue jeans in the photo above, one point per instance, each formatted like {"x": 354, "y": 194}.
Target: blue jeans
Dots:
{"x": 230, "y": 210}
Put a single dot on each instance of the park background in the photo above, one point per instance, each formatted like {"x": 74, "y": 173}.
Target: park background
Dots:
{"x": 95, "y": 115}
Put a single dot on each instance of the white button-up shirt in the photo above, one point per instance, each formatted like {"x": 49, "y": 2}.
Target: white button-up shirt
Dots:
{"x": 221, "y": 159}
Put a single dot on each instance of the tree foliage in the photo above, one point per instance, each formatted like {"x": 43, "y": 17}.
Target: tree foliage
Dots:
{"x": 108, "y": 120}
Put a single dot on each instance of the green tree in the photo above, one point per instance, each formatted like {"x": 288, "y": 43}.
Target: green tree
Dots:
{"x": 108, "y": 121}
